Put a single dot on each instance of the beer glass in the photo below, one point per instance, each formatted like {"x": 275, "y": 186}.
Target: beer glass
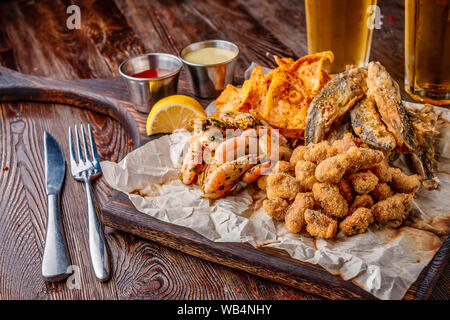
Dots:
{"x": 342, "y": 26}
{"x": 427, "y": 50}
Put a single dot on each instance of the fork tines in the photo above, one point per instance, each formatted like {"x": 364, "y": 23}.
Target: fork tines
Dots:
{"x": 85, "y": 159}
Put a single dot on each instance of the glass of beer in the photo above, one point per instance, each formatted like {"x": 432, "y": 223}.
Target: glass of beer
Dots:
{"x": 342, "y": 26}
{"x": 427, "y": 50}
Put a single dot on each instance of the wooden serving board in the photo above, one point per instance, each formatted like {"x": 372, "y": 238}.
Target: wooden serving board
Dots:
{"x": 110, "y": 97}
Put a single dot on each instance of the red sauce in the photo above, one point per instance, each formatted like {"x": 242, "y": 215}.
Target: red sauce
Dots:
{"x": 152, "y": 73}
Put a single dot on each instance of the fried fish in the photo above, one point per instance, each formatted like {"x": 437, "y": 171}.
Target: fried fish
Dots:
{"x": 333, "y": 101}
{"x": 368, "y": 126}
{"x": 386, "y": 93}
{"x": 423, "y": 160}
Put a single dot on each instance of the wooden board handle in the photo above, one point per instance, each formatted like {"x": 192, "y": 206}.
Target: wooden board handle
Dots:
{"x": 16, "y": 86}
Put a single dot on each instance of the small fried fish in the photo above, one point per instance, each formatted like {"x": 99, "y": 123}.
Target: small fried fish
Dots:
{"x": 385, "y": 91}
{"x": 340, "y": 128}
{"x": 333, "y": 101}
{"x": 423, "y": 160}
{"x": 368, "y": 126}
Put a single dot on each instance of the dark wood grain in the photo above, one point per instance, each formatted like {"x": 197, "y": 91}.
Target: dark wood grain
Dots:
{"x": 23, "y": 201}
{"x": 34, "y": 40}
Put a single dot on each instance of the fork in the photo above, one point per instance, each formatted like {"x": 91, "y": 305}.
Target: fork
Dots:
{"x": 86, "y": 169}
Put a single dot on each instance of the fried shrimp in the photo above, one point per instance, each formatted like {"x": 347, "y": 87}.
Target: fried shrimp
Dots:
{"x": 255, "y": 172}
{"x": 225, "y": 176}
{"x": 276, "y": 208}
{"x": 192, "y": 162}
{"x": 235, "y": 147}
{"x": 363, "y": 182}
{"x": 393, "y": 209}
{"x": 236, "y": 119}
{"x": 304, "y": 173}
{"x": 330, "y": 199}
{"x": 319, "y": 224}
{"x": 295, "y": 214}
{"x": 357, "y": 222}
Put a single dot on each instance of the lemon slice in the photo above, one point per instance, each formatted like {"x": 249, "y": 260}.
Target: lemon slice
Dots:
{"x": 173, "y": 112}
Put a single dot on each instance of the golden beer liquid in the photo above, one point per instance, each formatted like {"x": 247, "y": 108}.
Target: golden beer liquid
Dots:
{"x": 342, "y": 27}
{"x": 427, "y": 50}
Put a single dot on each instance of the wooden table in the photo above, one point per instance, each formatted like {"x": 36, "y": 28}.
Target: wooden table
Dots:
{"x": 34, "y": 40}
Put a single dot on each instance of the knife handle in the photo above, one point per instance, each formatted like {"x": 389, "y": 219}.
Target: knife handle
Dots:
{"x": 97, "y": 244}
{"x": 54, "y": 261}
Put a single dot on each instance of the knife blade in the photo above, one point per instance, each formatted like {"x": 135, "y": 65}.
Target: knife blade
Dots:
{"x": 55, "y": 262}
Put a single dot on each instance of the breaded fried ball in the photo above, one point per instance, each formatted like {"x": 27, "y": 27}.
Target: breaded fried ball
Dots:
{"x": 361, "y": 201}
{"x": 332, "y": 169}
{"x": 382, "y": 171}
{"x": 403, "y": 183}
{"x": 345, "y": 189}
{"x": 295, "y": 214}
{"x": 395, "y": 208}
{"x": 363, "y": 182}
{"x": 262, "y": 182}
{"x": 357, "y": 222}
{"x": 304, "y": 173}
{"x": 298, "y": 154}
{"x": 276, "y": 208}
{"x": 381, "y": 192}
{"x": 317, "y": 152}
{"x": 282, "y": 185}
{"x": 330, "y": 199}
{"x": 345, "y": 143}
{"x": 280, "y": 167}
{"x": 284, "y": 167}
{"x": 362, "y": 158}
{"x": 319, "y": 224}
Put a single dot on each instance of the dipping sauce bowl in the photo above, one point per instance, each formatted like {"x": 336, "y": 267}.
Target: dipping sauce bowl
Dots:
{"x": 209, "y": 79}
{"x": 145, "y": 92}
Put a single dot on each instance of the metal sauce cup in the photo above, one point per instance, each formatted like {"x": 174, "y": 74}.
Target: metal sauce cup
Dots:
{"x": 145, "y": 92}
{"x": 207, "y": 80}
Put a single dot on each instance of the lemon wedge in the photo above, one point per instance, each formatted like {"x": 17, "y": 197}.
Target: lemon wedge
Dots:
{"x": 173, "y": 112}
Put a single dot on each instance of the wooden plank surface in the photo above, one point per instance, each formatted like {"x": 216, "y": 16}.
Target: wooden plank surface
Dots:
{"x": 34, "y": 40}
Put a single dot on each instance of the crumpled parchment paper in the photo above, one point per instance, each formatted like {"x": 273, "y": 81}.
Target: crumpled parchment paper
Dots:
{"x": 383, "y": 261}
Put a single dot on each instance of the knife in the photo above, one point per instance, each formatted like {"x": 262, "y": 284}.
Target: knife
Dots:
{"x": 54, "y": 261}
